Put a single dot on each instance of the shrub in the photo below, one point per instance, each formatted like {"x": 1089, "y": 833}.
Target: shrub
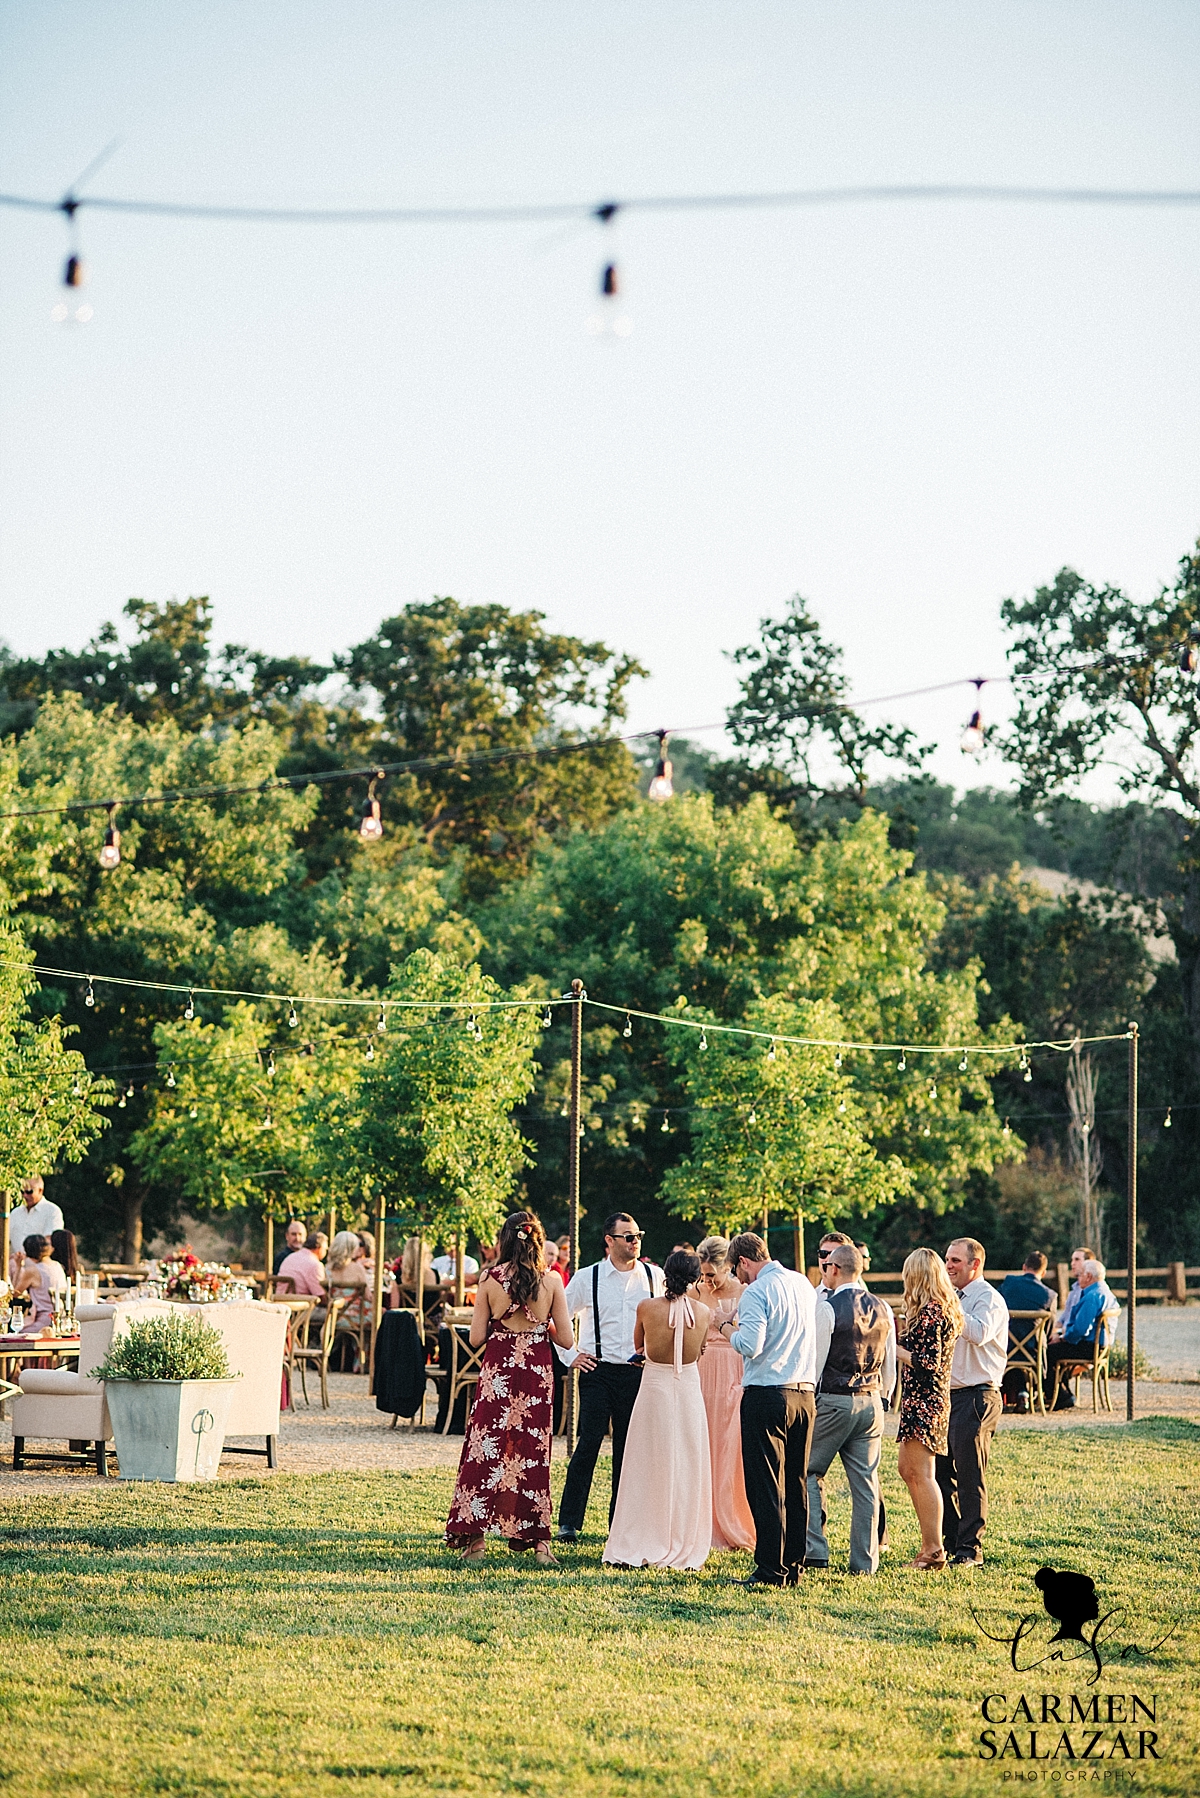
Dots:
{"x": 1143, "y": 1367}
{"x": 166, "y": 1348}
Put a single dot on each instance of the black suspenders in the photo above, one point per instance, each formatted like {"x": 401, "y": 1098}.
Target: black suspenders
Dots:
{"x": 645, "y": 1267}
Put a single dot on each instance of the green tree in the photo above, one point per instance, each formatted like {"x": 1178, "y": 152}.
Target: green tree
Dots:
{"x": 774, "y": 1126}
{"x": 49, "y": 1101}
{"x": 429, "y": 1121}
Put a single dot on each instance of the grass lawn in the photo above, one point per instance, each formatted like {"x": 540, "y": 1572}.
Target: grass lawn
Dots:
{"x": 306, "y": 1635}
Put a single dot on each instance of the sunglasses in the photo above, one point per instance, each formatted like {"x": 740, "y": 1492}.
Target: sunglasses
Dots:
{"x": 629, "y": 1236}
{"x": 824, "y": 1254}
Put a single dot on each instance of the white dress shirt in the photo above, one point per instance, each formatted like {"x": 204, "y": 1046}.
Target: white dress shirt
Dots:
{"x": 44, "y": 1218}
{"x": 776, "y": 1334}
{"x": 443, "y": 1266}
{"x": 620, "y": 1295}
{"x": 825, "y": 1323}
{"x": 981, "y": 1352}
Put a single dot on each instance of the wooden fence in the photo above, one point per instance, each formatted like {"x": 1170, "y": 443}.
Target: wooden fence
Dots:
{"x": 1171, "y": 1285}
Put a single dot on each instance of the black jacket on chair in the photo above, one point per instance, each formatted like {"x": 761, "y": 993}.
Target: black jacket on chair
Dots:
{"x": 399, "y": 1365}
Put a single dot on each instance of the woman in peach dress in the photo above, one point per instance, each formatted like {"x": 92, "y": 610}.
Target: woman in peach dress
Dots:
{"x": 663, "y": 1515}
{"x": 721, "y": 1384}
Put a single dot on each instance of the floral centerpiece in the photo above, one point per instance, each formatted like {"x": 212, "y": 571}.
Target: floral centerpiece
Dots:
{"x": 188, "y": 1280}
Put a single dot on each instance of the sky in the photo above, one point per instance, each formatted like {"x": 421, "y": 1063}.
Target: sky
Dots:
{"x": 903, "y": 412}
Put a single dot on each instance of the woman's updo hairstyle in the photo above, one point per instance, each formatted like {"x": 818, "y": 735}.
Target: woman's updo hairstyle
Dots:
{"x": 714, "y": 1250}
{"x": 522, "y": 1247}
{"x": 681, "y": 1270}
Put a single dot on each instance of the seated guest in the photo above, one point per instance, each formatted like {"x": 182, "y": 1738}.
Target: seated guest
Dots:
{"x": 1025, "y": 1291}
{"x": 348, "y": 1276}
{"x": 1094, "y": 1310}
{"x": 44, "y": 1280}
{"x": 368, "y": 1248}
{"x": 303, "y": 1266}
{"x": 293, "y": 1240}
{"x": 62, "y": 1250}
{"x": 445, "y": 1266}
{"x": 1078, "y": 1257}
{"x": 406, "y": 1270}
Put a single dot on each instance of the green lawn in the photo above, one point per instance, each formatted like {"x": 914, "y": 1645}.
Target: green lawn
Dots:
{"x": 288, "y": 1636}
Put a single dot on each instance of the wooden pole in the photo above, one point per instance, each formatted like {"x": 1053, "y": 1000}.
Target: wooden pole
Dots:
{"x": 377, "y": 1304}
{"x": 4, "y": 1273}
{"x": 460, "y": 1267}
{"x": 577, "y": 993}
{"x": 268, "y": 1243}
{"x": 798, "y": 1242}
{"x": 1131, "y": 1226}
{"x": 332, "y": 1224}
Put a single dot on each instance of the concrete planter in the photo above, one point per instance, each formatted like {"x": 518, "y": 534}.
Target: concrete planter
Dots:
{"x": 169, "y": 1429}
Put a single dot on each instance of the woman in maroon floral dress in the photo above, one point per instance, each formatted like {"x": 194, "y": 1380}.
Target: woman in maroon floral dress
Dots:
{"x": 503, "y": 1481}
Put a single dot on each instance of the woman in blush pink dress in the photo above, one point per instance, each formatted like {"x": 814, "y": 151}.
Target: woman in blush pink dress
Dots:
{"x": 663, "y": 1516}
{"x": 721, "y": 1384}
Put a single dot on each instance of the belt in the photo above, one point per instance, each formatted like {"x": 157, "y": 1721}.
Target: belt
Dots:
{"x": 986, "y": 1386}
{"x": 755, "y": 1387}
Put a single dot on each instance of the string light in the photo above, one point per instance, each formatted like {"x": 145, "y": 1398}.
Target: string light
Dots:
{"x": 71, "y": 309}
{"x": 1028, "y": 1073}
{"x": 628, "y": 1030}
{"x": 193, "y": 1112}
{"x": 370, "y": 1054}
{"x": 270, "y": 1064}
{"x": 972, "y": 740}
{"x": 547, "y": 1020}
{"x": 753, "y": 1118}
{"x": 1024, "y": 1061}
{"x": 771, "y": 1051}
{"x": 266, "y": 1123}
{"x": 703, "y": 1039}
{"x": 76, "y": 1090}
{"x": 662, "y": 786}
{"x": 1007, "y": 1130}
{"x": 189, "y": 1010}
{"x": 927, "y": 1131}
{"x": 370, "y": 828}
{"x": 933, "y": 1089}
{"x": 842, "y": 1106}
{"x": 837, "y": 1060}
{"x": 566, "y": 1110}
{"x": 89, "y": 998}
{"x": 962, "y": 1066}
{"x": 1167, "y": 1119}
{"x": 171, "y": 1081}
{"x": 293, "y": 1015}
{"x": 121, "y": 1103}
{"x": 666, "y": 1128}
{"x": 902, "y": 1063}
{"x": 110, "y": 852}
{"x": 381, "y": 1022}
{"x": 609, "y": 320}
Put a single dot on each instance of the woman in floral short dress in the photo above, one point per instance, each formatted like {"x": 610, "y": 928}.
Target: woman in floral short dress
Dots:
{"x": 503, "y": 1481}
{"x": 934, "y": 1317}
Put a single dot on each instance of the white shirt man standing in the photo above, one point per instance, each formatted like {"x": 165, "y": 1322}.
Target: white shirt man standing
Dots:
{"x": 980, "y": 1358}
{"x": 35, "y": 1216}
{"x": 605, "y": 1296}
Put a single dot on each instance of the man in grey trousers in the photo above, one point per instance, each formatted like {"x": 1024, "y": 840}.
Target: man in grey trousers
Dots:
{"x": 856, "y": 1369}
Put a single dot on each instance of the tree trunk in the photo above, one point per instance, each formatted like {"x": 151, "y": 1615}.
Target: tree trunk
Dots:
{"x": 133, "y": 1195}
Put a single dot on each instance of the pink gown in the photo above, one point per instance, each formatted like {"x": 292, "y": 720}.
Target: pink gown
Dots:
{"x": 721, "y": 1384}
{"x": 663, "y": 1516}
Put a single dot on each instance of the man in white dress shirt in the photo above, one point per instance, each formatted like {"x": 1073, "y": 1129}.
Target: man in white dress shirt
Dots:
{"x": 605, "y": 1296}
{"x": 980, "y": 1358}
{"x": 36, "y": 1216}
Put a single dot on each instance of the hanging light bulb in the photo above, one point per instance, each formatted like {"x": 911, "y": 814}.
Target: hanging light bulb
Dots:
{"x": 927, "y": 1131}
{"x": 609, "y": 320}
{"x": 189, "y": 1010}
{"x": 270, "y": 1064}
{"x": 129, "y": 1090}
{"x": 171, "y": 1081}
{"x": 902, "y": 1063}
{"x": 192, "y": 1112}
{"x": 266, "y": 1123}
{"x": 837, "y": 1060}
{"x": 89, "y": 998}
{"x": 662, "y": 785}
{"x": 381, "y": 1022}
{"x": 293, "y": 1015}
{"x": 933, "y": 1089}
{"x": 972, "y": 740}
{"x": 370, "y": 1054}
{"x": 1024, "y": 1061}
{"x": 842, "y": 1106}
{"x": 1167, "y": 1119}
{"x": 1028, "y": 1075}
{"x": 771, "y": 1050}
{"x": 121, "y": 1103}
{"x": 666, "y": 1128}
{"x": 547, "y": 1020}
{"x": 753, "y": 1118}
{"x": 1007, "y": 1130}
{"x": 566, "y": 1110}
{"x": 962, "y": 1066}
{"x": 370, "y": 828}
{"x": 72, "y": 308}
{"x": 703, "y": 1039}
{"x": 110, "y": 853}
{"x": 628, "y": 1030}
{"x": 76, "y": 1090}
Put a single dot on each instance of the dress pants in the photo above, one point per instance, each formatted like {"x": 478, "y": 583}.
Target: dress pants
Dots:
{"x": 974, "y": 1413}
{"x": 606, "y": 1396}
{"x": 850, "y": 1425}
{"x": 776, "y": 1430}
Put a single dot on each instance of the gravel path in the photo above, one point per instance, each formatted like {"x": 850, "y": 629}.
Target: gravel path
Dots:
{"x": 353, "y": 1437}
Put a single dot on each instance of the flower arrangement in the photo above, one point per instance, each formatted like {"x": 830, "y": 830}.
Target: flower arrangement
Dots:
{"x": 185, "y": 1278}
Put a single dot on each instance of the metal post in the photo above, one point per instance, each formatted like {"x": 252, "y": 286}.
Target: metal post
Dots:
{"x": 577, "y": 994}
{"x": 377, "y": 1304}
{"x": 1131, "y": 1226}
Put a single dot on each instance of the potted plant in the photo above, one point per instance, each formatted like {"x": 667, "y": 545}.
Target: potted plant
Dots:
{"x": 168, "y": 1385}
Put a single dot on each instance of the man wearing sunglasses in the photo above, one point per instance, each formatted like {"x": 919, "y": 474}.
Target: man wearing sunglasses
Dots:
{"x": 605, "y": 1298}
{"x": 36, "y": 1216}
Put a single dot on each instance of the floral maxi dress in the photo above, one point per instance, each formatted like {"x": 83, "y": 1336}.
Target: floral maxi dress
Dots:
{"x": 503, "y": 1483}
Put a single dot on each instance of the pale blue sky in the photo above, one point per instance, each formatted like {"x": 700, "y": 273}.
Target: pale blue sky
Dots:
{"x": 903, "y": 412}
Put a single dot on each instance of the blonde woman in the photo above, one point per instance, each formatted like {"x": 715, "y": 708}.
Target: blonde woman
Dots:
{"x": 721, "y": 1384}
{"x": 934, "y": 1320}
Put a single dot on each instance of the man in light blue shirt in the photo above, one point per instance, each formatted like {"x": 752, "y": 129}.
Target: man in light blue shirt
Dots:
{"x": 1094, "y": 1311}
{"x": 776, "y": 1337}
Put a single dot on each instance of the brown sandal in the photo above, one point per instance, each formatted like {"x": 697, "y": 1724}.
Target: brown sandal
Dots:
{"x": 542, "y": 1556}
{"x": 930, "y": 1563}
{"x": 474, "y": 1549}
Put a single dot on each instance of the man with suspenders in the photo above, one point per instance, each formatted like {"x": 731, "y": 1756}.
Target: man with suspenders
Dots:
{"x": 606, "y": 1296}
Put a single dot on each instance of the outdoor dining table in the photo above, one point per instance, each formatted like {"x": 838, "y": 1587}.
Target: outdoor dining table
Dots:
{"x": 31, "y": 1348}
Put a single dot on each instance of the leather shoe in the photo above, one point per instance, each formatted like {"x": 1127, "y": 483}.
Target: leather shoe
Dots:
{"x": 816, "y": 1566}
{"x": 966, "y": 1560}
{"x": 568, "y": 1535}
{"x": 756, "y": 1583}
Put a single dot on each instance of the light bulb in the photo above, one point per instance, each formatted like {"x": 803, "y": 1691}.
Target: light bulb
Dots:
{"x": 902, "y": 1063}
{"x": 971, "y": 741}
{"x": 628, "y": 1030}
{"x": 1028, "y": 1075}
{"x": 89, "y": 998}
{"x": 666, "y": 1128}
{"x": 547, "y": 1020}
{"x": 266, "y": 1123}
{"x": 171, "y": 1077}
{"x": 381, "y": 1022}
{"x": 370, "y": 1055}
{"x": 927, "y": 1131}
{"x": 1167, "y": 1119}
{"x": 932, "y": 1090}
{"x": 662, "y": 786}
{"x": 566, "y": 1110}
{"x": 110, "y": 853}
{"x": 121, "y": 1103}
{"x": 76, "y": 1090}
{"x": 293, "y": 1015}
{"x": 609, "y": 319}
{"x": 771, "y": 1050}
{"x": 753, "y": 1118}
{"x": 71, "y": 308}
{"x": 371, "y": 827}
{"x": 842, "y": 1106}
{"x": 270, "y": 1064}
{"x": 1007, "y": 1130}
{"x": 193, "y": 1113}
{"x": 703, "y": 1040}
{"x": 189, "y": 1010}
{"x": 837, "y": 1060}
{"x": 962, "y": 1066}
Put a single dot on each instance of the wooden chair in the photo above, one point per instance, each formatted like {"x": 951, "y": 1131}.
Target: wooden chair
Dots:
{"x": 306, "y": 1354}
{"x": 462, "y": 1375}
{"x": 297, "y": 1334}
{"x": 1027, "y": 1333}
{"x": 280, "y": 1285}
{"x": 1093, "y": 1357}
{"x": 355, "y": 1320}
